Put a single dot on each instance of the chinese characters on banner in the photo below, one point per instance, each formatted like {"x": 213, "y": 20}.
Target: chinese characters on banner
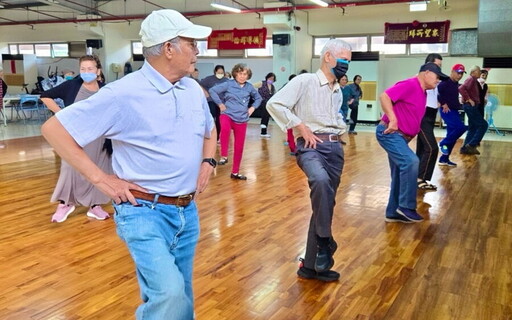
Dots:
{"x": 237, "y": 39}
{"x": 416, "y": 32}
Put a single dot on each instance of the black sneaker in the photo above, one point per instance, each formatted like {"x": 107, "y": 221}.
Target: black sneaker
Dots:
{"x": 398, "y": 218}
{"x": 467, "y": 149}
{"x": 473, "y": 150}
{"x": 324, "y": 260}
{"x": 325, "y": 276}
{"x": 410, "y": 214}
{"x": 333, "y": 245}
{"x": 238, "y": 176}
{"x": 464, "y": 150}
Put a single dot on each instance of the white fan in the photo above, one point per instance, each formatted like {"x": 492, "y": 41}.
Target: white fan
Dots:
{"x": 492, "y": 104}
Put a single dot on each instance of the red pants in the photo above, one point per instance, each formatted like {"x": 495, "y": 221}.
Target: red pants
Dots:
{"x": 239, "y": 131}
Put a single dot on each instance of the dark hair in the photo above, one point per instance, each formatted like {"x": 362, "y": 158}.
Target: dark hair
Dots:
{"x": 355, "y": 77}
{"x": 433, "y": 57}
{"x": 293, "y": 75}
{"x": 303, "y": 71}
{"x": 270, "y": 75}
{"x": 484, "y": 71}
{"x": 344, "y": 76}
{"x": 241, "y": 67}
{"x": 90, "y": 58}
{"x": 217, "y": 67}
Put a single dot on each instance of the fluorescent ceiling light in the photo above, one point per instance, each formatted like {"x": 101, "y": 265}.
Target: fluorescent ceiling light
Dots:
{"x": 320, "y": 3}
{"x": 226, "y": 8}
{"x": 418, "y": 6}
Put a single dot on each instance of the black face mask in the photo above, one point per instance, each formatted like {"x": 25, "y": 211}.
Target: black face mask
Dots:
{"x": 341, "y": 68}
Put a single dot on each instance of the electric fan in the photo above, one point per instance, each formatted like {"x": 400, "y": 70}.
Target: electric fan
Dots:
{"x": 492, "y": 104}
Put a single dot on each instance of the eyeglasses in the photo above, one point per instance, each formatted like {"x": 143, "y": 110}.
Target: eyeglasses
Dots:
{"x": 191, "y": 42}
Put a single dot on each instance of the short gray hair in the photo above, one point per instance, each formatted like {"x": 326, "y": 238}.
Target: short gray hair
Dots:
{"x": 335, "y": 45}
{"x": 474, "y": 68}
{"x": 156, "y": 50}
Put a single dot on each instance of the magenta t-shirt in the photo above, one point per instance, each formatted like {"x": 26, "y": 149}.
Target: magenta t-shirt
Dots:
{"x": 409, "y": 101}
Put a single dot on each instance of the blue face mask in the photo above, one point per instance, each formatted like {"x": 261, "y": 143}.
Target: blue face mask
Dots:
{"x": 341, "y": 68}
{"x": 88, "y": 76}
{"x": 69, "y": 77}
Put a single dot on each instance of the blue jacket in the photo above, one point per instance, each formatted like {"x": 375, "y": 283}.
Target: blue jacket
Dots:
{"x": 236, "y": 99}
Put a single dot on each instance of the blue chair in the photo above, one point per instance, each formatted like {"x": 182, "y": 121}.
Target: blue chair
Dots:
{"x": 30, "y": 104}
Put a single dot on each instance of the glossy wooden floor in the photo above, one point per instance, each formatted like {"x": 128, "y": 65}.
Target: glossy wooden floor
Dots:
{"x": 455, "y": 265}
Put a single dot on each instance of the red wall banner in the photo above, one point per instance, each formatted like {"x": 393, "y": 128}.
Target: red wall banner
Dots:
{"x": 237, "y": 39}
{"x": 417, "y": 32}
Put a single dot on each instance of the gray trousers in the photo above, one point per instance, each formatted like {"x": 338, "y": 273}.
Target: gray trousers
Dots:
{"x": 323, "y": 167}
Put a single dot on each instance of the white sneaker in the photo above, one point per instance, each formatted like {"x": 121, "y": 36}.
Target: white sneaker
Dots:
{"x": 265, "y": 135}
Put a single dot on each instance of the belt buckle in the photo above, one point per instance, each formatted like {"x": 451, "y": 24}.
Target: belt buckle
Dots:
{"x": 334, "y": 138}
{"x": 185, "y": 198}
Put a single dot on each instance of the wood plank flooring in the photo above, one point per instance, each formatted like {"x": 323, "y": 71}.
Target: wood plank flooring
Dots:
{"x": 455, "y": 265}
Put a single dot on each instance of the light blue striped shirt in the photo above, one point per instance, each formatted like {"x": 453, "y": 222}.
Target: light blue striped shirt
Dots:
{"x": 157, "y": 129}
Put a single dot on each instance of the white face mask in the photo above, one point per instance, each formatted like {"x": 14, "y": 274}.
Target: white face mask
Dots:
{"x": 219, "y": 75}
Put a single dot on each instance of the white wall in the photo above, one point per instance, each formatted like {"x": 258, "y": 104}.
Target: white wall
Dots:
{"x": 359, "y": 20}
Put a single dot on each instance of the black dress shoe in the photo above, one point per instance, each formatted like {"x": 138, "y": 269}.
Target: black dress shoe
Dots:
{"x": 324, "y": 260}
{"x": 326, "y": 276}
{"x": 238, "y": 176}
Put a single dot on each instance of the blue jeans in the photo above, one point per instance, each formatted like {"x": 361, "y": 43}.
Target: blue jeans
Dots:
{"x": 477, "y": 125}
{"x": 161, "y": 240}
{"x": 403, "y": 163}
{"x": 455, "y": 128}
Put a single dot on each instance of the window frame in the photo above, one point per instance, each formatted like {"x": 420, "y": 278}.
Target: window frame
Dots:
{"x": 269, "y": 47}
{"x": 11, "y": 46}
{"x": 369, "y": 45}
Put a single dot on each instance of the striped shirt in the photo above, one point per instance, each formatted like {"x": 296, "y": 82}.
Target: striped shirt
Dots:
{"x": 308, "y": 99}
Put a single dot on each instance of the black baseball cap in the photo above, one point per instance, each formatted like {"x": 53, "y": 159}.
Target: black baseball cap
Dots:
{"x": 432, "y": 67}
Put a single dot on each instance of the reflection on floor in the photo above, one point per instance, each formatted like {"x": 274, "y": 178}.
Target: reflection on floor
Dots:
{"x": 15, "y": 130}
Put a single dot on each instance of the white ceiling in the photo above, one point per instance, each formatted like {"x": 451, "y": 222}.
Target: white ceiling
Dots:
{"x": 16, "y": 12}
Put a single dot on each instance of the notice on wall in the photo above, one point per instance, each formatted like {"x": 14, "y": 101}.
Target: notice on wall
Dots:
{"x": 237, "y": 39}
{"x": 416, "y": 32}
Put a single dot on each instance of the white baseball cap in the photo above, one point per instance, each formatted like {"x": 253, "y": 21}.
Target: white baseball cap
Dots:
{"x": 166, "y": 24}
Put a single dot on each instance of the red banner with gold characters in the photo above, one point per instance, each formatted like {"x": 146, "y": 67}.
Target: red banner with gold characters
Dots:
{"x": 417, "y": 32}
{"x": 237, "y": 39}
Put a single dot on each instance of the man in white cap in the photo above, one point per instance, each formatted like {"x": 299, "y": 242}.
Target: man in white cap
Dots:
{"x": 164, "y": 140}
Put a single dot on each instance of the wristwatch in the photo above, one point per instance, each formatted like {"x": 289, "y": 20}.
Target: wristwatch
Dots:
{"x": 210, "y": 161}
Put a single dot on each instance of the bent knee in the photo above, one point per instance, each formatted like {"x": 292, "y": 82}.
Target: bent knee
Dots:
{"x": 174, "y": 292}
{"x": 412, "y": 162}
{"x": 320, "y": 179}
